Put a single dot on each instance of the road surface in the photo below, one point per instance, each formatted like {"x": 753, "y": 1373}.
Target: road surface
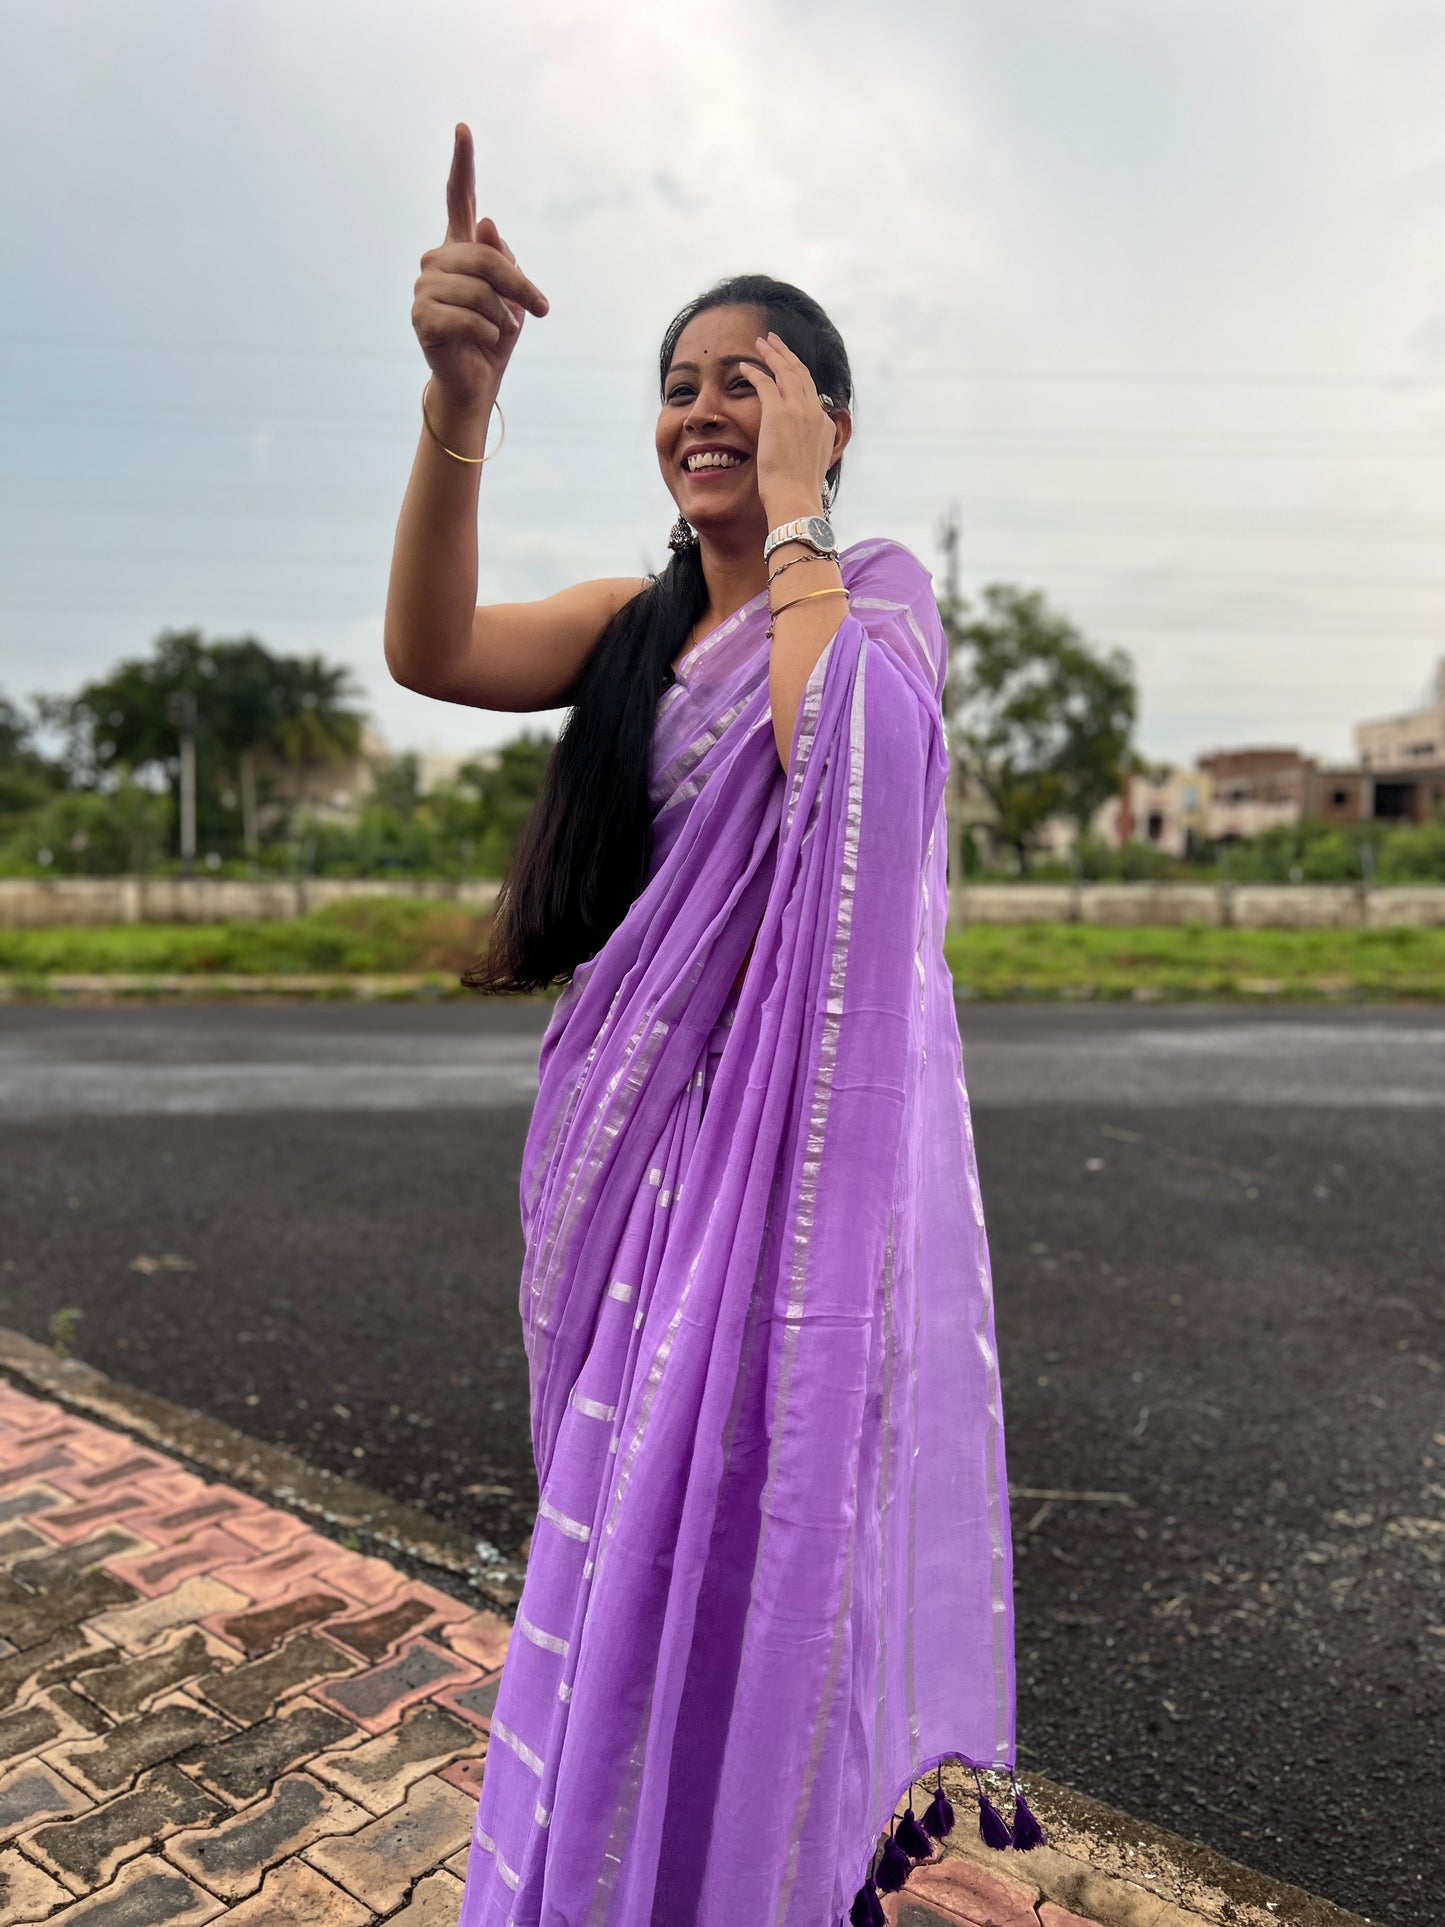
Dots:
{"x": 1217, "y": 1245}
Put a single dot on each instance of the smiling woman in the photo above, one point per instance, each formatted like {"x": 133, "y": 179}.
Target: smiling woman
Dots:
{"x": 770, "y": 1583}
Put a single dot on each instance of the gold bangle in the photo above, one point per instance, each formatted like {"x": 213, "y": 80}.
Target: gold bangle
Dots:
{"x": 473, "y": 461}
{"x": 812, "y": 597}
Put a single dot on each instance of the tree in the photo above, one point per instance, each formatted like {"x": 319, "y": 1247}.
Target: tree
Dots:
{"x": 1045, "y": 724}
{"x": 247, "y": 702}
{"x": 27, "y": 778}
{"x": 247, "y": 715}
{"x": 506, "y": 792}
{"x": 315, "y": 723}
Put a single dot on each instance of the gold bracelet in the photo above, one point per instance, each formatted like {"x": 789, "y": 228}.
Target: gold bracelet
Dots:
{"x": 813, "y": 597}
{"x": 802, "y": 598}
{"x": 473, "y": 461}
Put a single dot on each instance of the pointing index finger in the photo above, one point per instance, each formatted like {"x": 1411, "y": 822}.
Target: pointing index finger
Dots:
{"x": 462, "y": 187}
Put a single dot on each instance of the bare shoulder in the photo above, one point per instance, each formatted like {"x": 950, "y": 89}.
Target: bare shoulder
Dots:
{"x": 528, "y": 655}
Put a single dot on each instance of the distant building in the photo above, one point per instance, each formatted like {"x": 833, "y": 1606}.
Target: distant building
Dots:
{"x": 439, "y": 769}
{"x": 1402, "y": 761}
{"x": 1404, "y": 742}
{"x": 1254, "y": 790}
{"x": 1164, "y": 808}
{"x": 321, "y": 789}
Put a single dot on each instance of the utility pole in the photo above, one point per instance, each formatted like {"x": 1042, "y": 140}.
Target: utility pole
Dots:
{"x": 950, "y": 539}
{"x": 183, "y": 714}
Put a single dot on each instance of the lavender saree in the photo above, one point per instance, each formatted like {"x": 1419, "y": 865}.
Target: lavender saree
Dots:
{"x": 770, "y": 1582}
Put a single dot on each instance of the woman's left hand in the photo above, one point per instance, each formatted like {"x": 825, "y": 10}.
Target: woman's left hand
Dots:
{"x": 795, "y": 439}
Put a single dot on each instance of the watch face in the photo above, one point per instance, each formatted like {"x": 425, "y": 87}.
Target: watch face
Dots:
{"x": 819, "y": 531}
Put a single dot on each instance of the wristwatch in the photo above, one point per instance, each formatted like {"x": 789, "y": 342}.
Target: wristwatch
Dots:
{"x": 814, "y": 530}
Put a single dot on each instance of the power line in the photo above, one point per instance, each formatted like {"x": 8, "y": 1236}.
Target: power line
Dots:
{"x": 284, "y": 422}
{"x": 1113, "y": 377}
{"x": 372, "y": 557}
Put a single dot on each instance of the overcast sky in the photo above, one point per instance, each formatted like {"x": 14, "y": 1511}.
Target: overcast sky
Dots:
{"x": 1154, "y": 290}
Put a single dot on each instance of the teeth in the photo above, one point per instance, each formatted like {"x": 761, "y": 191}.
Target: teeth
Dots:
{"x": 710, "y": 460}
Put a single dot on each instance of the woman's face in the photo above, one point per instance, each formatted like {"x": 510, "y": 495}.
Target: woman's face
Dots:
{"x": 707, "y": 429}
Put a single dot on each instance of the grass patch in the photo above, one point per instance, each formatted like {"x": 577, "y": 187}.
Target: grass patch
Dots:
{"x": 373, "y": 936}
{"x": 393, "y": 935}
{"x": 1191, "y": 960}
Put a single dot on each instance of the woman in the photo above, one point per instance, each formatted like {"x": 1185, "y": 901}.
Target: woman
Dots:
{"x": 769, "y": 1585}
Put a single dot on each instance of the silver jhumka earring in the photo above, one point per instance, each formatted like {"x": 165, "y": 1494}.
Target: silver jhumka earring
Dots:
{"x": 684, "y": 535}
{"x": 827, "y": 499}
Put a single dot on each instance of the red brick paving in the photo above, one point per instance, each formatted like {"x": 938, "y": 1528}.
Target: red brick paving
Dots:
{"x": 175, "y": 1659}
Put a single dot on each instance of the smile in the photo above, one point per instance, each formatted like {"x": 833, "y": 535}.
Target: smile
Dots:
{"x": 712, "y": 458}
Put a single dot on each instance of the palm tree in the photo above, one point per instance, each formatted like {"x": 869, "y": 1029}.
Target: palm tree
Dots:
{"x": 314, "y": 722}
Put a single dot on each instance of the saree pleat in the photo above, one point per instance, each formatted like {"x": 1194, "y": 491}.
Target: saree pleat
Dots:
{"x": 770, "y": 1578}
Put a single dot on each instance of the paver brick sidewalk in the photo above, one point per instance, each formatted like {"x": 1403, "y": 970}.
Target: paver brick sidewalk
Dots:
{"x": 211, "y": 1711}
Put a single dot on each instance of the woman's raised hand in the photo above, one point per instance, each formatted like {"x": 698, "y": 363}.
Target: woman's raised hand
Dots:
{"x": 470, "y": 295}
{"x": 798, "y": 441}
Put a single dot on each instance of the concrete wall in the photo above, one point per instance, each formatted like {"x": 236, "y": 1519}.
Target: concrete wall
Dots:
{"x": 1249, "y": 906}
{"x": 27, "y": 903}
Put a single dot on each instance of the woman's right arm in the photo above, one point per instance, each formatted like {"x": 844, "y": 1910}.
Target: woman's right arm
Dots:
{"x": 470, "y": 301}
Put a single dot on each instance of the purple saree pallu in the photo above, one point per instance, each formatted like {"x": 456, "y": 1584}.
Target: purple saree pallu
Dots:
{"x": 770, "y": 1581}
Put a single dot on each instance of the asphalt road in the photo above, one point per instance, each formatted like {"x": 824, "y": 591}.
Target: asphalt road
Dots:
{"x": 1217, "y": 1243}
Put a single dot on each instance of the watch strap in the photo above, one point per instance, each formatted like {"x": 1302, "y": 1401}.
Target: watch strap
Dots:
{"x": 799, "y": 532}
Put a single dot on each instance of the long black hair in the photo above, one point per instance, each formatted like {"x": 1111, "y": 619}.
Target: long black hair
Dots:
{"x": 584, "y": 853}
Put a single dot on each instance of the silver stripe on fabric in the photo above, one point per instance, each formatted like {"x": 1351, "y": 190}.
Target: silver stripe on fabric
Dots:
{"x": 823, "y": 1719}
{"x": 820, "y": 1103}
{"x": 613, "y": 1107}
{"x": 532, "y": 1761}
{"x": 542, "y": 1815}
{"x": 574, "y": 1528}
{"x": 564, "y": 1690}
{"x": 725, "y": 629}
{"x": 923, "y": 648}
{"x": 910, "y": 1648}
{"x": 484, "y": 1840}
{"x": 549, "y": 1642}
{"x": 591, "y": 1407}
{"x": 624, "y": 1294}
{"x": 654, "y": 1176}
{"x": 925, "y": 655}
{"x": 669, "y": 779}
{"x": 509, "y": 1874}
{"x": 664, "y": 1198}
{"x": 547, "y": 1258}
{"x": 993, "y": 1448}
{"x": 809, "y": 709}
{"x": 644, "y": 1407}
{"x": 885, "y": 1495}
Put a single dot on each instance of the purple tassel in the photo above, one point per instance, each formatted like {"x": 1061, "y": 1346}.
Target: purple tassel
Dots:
{"x": 913, "y": 1840}
{"x": 938, "y": 1815}
{"x": 867, "y": 1908}
{"x": 993, "y": 1829}
{"x": 1027, "y": 1831}
{"x": 894, "y": 1867}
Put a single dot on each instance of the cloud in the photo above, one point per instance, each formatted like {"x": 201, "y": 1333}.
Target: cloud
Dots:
{"x": 1046, "y": 232}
